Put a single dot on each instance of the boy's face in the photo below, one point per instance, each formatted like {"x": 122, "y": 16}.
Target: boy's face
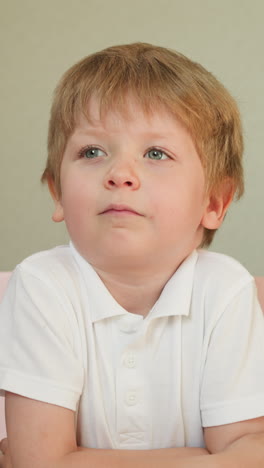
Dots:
{"x": 132, "y": 190}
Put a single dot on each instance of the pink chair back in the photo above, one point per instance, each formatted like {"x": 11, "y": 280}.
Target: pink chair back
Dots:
{"x": 260, "y": 285}
{"x": 4, "y": 277}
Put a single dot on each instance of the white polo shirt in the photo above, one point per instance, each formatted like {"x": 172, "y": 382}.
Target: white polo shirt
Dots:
{"x": 196, "y": 360}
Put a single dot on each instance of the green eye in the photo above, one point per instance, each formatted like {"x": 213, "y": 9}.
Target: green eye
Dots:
{"x": 91, "y": 153}
{"x": 156, "y": 154}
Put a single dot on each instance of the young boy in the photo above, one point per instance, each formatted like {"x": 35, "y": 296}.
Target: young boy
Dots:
{"x": 132, "y": 338}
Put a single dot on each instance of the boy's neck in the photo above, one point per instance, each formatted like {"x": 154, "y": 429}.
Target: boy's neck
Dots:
{"x": 136, "y": 293}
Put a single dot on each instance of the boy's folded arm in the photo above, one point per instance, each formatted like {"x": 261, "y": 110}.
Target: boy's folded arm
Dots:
{"x": 232, "y": 445}
{"x": 239, "y": 444}
{"x": 219, "y": 438}
{"x": 38, "y": 432}
{"x": 42, "y": 435}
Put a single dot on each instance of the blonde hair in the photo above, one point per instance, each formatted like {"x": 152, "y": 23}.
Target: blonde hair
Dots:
{"x": 153, "y": 75}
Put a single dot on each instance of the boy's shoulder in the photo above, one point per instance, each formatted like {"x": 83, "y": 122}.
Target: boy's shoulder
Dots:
{"x": 219, "y": 261}
{"x": 220, "y": 273}
{"x": 56, "y": 256}
{"x": 51, "y": 265}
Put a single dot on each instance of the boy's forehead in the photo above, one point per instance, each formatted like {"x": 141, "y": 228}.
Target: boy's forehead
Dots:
{"x": 97, "y": 111}
{"x": 113, "y": 121}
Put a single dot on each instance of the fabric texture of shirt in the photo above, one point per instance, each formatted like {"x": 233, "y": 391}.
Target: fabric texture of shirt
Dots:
{"x": 196, "y": 360}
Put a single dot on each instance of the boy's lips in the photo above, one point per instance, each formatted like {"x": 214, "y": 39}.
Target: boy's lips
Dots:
{"x": 120, "y": 209}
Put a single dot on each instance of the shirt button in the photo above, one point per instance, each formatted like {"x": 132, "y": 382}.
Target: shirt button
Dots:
{"x": 131, "y": 398}
{"x": 130, "y": 361}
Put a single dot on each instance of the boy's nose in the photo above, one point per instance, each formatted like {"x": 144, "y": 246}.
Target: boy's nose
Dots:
{"x": 122, "y": 175}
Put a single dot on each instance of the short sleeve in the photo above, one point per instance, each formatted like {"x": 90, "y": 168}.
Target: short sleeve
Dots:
{"x": 232, "y": 387}
{"x": 38, "y": 358}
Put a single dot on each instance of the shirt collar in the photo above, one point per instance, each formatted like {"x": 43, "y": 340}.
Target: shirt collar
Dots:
{"x": 174, "y": 300}
{"x": 176, "y": 296}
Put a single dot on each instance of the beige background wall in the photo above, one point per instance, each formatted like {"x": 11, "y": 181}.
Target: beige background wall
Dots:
{"x": 39, "y": 40}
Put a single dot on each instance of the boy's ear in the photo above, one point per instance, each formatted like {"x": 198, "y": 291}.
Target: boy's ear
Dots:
{"x": 58, "y": 214}
{"x": 217, "y": 205}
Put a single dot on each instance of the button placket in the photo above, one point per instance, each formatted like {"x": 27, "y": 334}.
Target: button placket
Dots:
{"x": 131, "y": 395}
{"x": 131, "y": 400}
{"x": 131, "y": 408}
